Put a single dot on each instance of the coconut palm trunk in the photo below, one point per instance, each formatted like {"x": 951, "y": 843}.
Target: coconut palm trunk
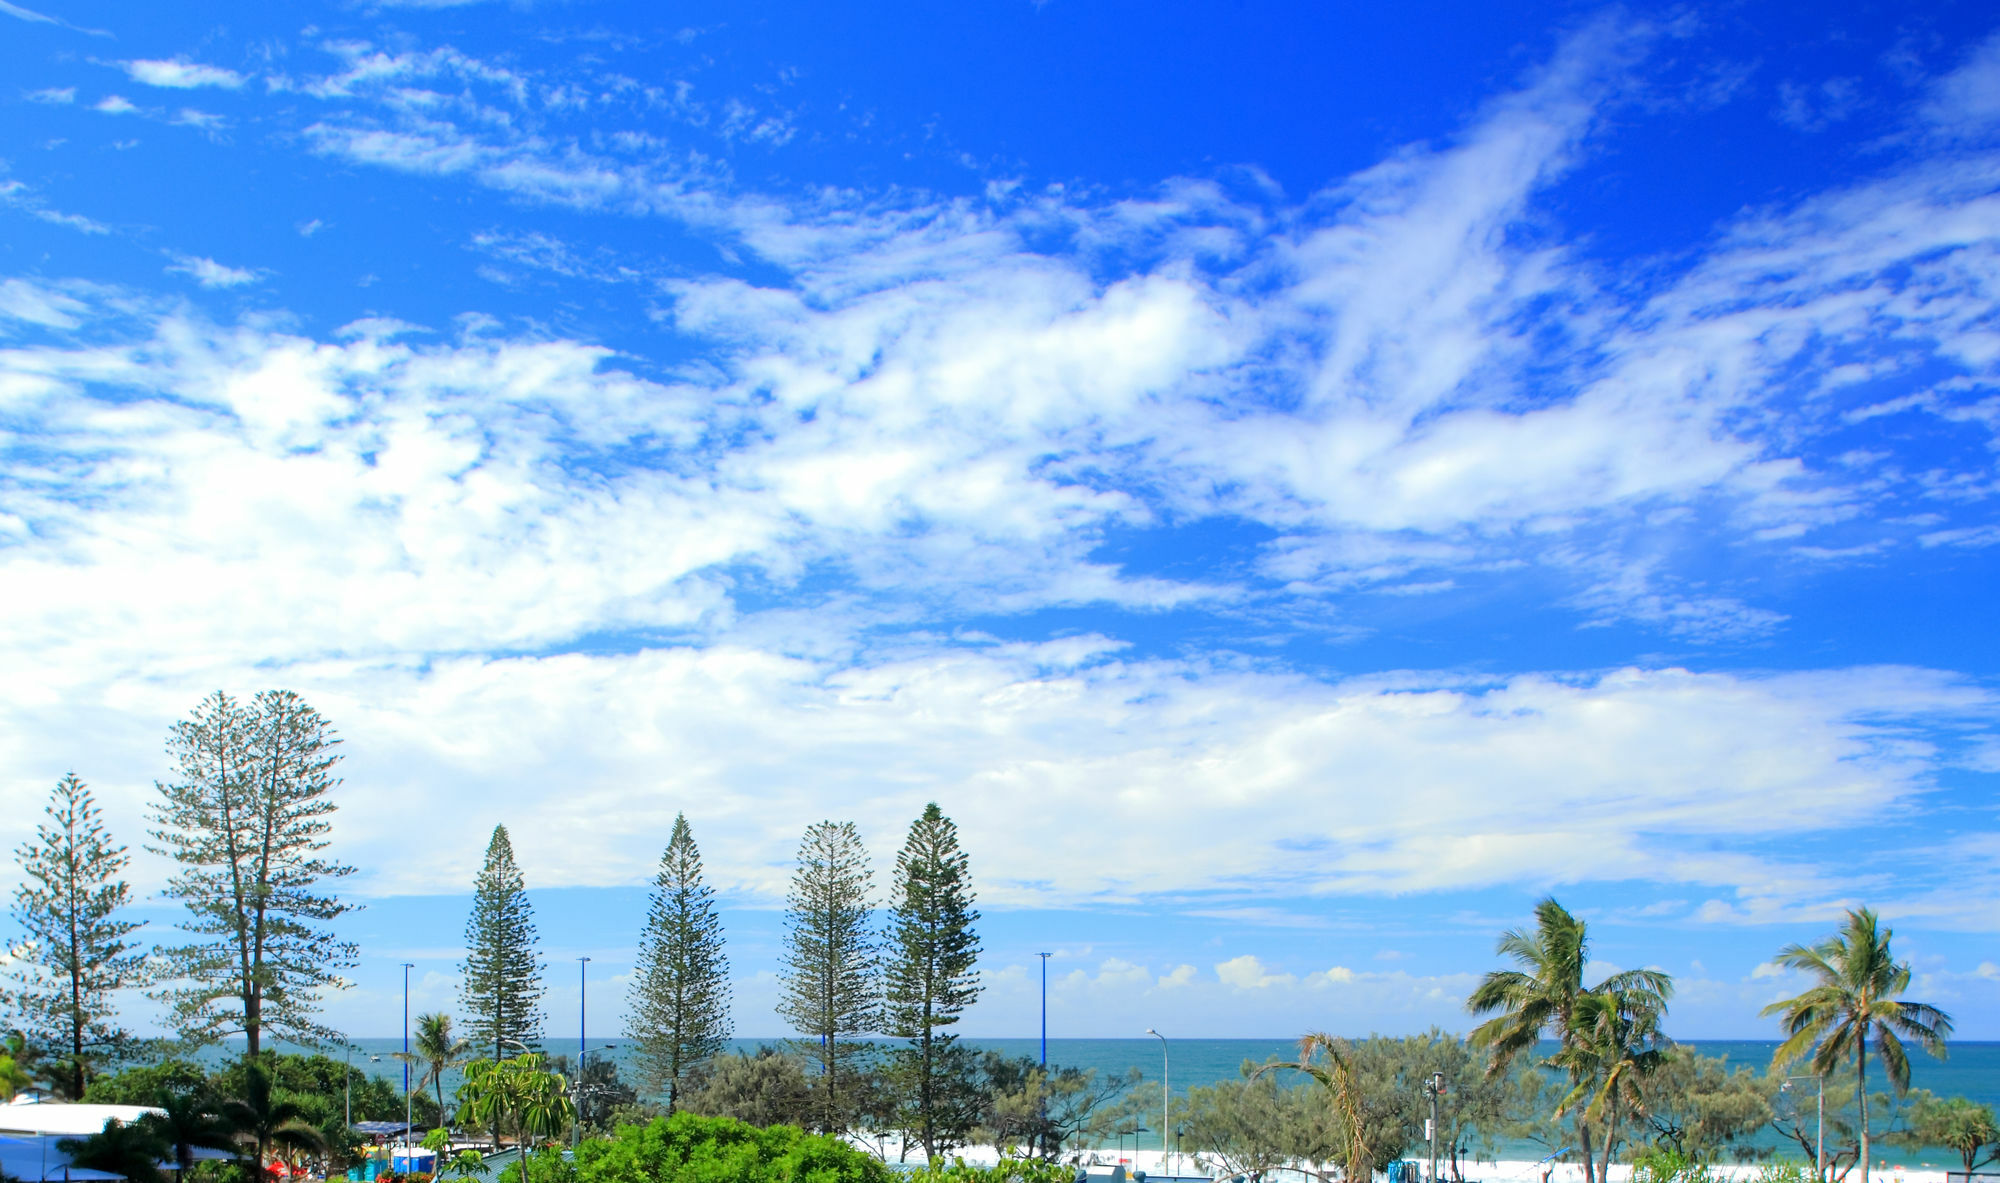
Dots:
{"x": 1861, "y": 1097}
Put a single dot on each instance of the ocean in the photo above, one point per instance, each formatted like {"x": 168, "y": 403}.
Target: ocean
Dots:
{"x": 1971, "y": 1070}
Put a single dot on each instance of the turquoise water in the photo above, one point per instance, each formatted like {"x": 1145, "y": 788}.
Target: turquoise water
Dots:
{"x": 1972, "y": 1069}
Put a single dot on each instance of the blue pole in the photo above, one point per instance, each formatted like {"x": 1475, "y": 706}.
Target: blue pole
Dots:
{"x": 409, "y": 1111}
{"x": 582, "y": 1049}
{"x": 1045, "y": 1008}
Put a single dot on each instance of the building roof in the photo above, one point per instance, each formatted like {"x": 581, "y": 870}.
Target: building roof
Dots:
{"x": 69, "y": 1121}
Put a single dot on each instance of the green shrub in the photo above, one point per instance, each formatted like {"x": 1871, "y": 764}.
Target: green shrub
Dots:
{"x": 1783, "y": 1172}
{"x": 1664, "y": 1165}
{"x": 1007, "y": 1170}
{"x": 686, "y": 1148}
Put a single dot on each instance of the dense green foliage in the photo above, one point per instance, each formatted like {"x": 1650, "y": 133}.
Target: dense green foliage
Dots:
{"x": 374, "y": 1098}
{"x": 687, "y": 1148}
{"x": 520, "y": 1093}
{"x": 139, "y": 1084}
{"x": 1007, "y": 1170}
{"x": 1958, "y": 1124}
{"x": 77, "y": 954}
{"x": 134, "y": 1151}
{"x": 1701, "y": 1105}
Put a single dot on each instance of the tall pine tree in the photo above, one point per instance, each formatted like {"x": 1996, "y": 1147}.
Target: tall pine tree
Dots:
{"x": 931, "y": 954}
{"x": 248, "y": 819}
{"x": 680, "y": 995}
{"x": 501, "y": 980}
{"x": 830, "y": 979}
{"x": 76, "y": 954}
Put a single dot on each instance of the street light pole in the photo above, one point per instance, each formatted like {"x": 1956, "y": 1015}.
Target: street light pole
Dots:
{"x": 1433, "y": 1088}
{"x": 1819, "y": 1135}
{"x": 1166, "y": 1126}
{"x": 1045, "y": 1008}
{"x": 582, "y": 1045}
{"x": 409, "y": 1111}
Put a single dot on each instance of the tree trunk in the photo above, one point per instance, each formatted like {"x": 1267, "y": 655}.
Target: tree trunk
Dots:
{"x": 1861, "y": 1094}
{"x": 1583, "y": 1146}
{"x": 924, "y": 1091}
{"x": 1610, "y": 1140}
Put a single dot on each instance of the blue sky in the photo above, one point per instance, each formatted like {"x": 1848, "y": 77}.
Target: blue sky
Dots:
{"x": 1296, "y": 483}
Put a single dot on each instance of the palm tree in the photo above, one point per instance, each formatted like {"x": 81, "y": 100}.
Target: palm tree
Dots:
{"x": 1542, "y": 996}
{"x": 1337, "y": 1078}
{"x": 133, "y": 1151}
{"x": 268, "y": 1120}
{"x": 522, "y": 1088}
{"x": 187, "y": 1120}
{"x": 13, "y": 1080}
{"x": 1617, "y": 1045}
{"x": 437, "y": 1051}
{"x": 1854, "y": 998}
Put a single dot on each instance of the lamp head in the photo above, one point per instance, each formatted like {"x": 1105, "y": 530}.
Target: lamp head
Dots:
{"x": 1150, "y": 1031}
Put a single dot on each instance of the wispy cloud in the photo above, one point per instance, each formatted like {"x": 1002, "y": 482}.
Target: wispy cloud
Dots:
{"x": 474, "y": 550}
{"x": 209, "y": 273}
{"x": 178, "y": 74}
{"x": 30, "y": 15}
{"x": 18, "y": 195}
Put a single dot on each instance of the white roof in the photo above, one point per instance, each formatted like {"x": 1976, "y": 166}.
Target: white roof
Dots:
{"x": 67, "y": 1121}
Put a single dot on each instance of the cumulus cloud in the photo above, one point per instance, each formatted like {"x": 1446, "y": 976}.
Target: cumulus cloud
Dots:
{"x": 1248, "y": 973}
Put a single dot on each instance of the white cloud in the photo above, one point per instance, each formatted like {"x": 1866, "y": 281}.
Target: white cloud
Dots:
{"x": 1420, "y": 450}
{"x": 211, "y": 274}
{"x": 199, "y": 120}
{"x": 39, "y": 305}
{"x": 1966, "y": 101}
{"x": 367, "y": 519}
{"x": 53, "y": 94}
{"x": 1248, "y": 973}
{"x": 177, "y": 74}
{"x": 931, "y": 416}
{"x": 17, "y": 195}
{"x": 114, "y": 105}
